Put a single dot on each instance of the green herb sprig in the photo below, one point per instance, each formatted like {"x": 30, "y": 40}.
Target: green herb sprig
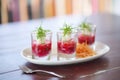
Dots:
{"x": 85, "y": 26}
{"x": 41, "y": 34}
{"x": 67, "y": 29}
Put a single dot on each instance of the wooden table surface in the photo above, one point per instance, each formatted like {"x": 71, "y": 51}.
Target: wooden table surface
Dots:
{"x": 16, "y": 36}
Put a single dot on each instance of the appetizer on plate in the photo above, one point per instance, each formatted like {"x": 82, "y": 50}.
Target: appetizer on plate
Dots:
{"x": 41, "y": 42}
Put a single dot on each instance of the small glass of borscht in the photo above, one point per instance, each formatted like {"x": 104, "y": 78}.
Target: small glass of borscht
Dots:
{"x": 86, "y": 33}
{"x": 66, "y": 43}
{"x": 41, "y": 43}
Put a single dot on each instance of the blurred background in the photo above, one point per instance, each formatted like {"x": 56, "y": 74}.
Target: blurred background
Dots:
{"x": 23, "y": 10}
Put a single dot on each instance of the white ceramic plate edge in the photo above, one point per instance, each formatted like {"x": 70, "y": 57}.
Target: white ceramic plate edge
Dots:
{"x": 80, "y": 60}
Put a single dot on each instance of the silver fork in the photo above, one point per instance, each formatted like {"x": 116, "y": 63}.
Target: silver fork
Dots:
{"x": 25, "y": 69}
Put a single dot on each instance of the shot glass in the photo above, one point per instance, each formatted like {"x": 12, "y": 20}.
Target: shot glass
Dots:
{"x": 87, "y": 35}
{"x": 41, "y": 48}
{"x": 66, "y": 45}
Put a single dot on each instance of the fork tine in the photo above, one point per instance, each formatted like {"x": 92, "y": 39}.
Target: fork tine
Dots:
{"x": 25, "y": 69}
{"x": 22, "y": 68}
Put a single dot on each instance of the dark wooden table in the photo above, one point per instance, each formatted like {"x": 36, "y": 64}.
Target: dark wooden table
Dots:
{"x": 16, "y": 36}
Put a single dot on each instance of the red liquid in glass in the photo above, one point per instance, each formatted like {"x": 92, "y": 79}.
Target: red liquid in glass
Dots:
{"x": 86, "y": 39}
{"x": 41, "y": 49}
{"x": 67, "y": 47}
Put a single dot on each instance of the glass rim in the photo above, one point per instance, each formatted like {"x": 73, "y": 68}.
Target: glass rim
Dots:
{"x": 92, "y": 26}
{"x": 34, "y": 32}
{"x": 62, "y": 32}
